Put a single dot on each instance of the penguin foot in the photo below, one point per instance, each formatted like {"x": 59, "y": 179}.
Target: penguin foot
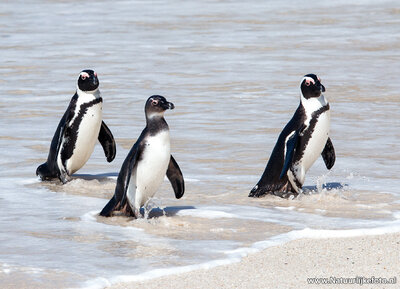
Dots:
{"x": 44, "y": 172}
{"x": 64, "y": 178}
{"x": 127, "y": 210}
{"x": 286, "y": 195}
{"x": 257, "y": 192}
{"x": 284, "y": 192}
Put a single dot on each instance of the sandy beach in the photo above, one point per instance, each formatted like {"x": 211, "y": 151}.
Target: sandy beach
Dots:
{"x": 290, "y": 265}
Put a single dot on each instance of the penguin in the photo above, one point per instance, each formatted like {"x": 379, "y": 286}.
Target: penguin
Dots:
{"x": 303, "y": 139}
{"x": 146, "y": 164}
{"x": 77, "y": 132}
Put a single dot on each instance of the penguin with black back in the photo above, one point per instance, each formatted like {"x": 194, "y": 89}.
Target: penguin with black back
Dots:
{"x": 77, "y": 132}
{"x": 146, "y": 164}
{"x": 303, "y": 139}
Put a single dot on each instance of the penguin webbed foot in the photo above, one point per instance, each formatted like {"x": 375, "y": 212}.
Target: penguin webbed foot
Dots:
{"x": 119, "y": 210}
{"x": 44, "y": 173}
{"x": 257, "y": 192}
{"x": 127, "y": 211}
{"x": 284, "y": 192}
{"x": 64, "y": 178}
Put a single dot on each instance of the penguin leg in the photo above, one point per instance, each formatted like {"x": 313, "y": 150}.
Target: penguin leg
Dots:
{"x": 287, "y": 191}
{"x": 294, "y": 185}
{"x": 127, "y": 210}
{"x": 64, "y": 177}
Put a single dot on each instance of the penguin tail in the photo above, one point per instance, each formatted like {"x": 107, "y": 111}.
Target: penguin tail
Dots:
{"x": 109, "y": 208}
{"x": 44, "y": 172}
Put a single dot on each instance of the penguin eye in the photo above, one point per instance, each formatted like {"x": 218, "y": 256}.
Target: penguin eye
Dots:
{"x": 154, "y": 102}
{"x": 309, "y": 81}
{"x": 83, "y": 77}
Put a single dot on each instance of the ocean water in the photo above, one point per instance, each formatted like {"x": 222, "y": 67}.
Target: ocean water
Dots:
{"x": 232, "y": 69}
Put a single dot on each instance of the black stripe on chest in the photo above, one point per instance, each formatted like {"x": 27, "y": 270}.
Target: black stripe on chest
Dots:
{"x": 307, "y": 132}
{"x": 71, "y": 132}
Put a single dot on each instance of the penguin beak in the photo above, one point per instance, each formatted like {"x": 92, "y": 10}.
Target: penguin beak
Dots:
{"x": 167, "y": 105}
{"x": 322, "y": 88}
{"x": 171, "y": 105}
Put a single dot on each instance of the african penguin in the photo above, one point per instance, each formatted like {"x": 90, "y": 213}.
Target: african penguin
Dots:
{"x": 303, "y": 139}
{"x": 77, "y": 132}
{"x": 146, "y": 164}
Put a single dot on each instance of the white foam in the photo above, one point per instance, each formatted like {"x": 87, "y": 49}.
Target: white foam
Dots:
{"x": 291, "y": 208}
{"x": 90, "y": 216}
{"x": 29, "y": 181}
{"x": 191, "y": 180}
{"x": 293, "y": 218}
{"x": 157, "y": 273}
{"x": 205, "y": 213}
{"x": 234, "y": 256}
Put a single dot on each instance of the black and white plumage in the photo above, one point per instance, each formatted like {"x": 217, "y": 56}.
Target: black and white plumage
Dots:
{"x": 77, "y": 132}
{"x": 303, "y": 139}
{"x": 146, "y": 164}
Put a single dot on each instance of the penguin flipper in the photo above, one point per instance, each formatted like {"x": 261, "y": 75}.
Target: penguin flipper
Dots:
{"x": 175, "y": 176}
{"x": 107, "y": 141}
{"x": 124, "y": 176}
{"x": 291, "y": 145}
{"x": 328, "y": 154}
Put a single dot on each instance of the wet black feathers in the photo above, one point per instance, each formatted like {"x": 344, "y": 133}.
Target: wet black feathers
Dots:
{"x": 71, "y": 132}
{"x": 106, "y": 140}
{"x": 119, "y": 199}
{"x": 50, "y": 169}
{"x": 175, "y": 176}
{"x": 328, "y": 154}
{"x": 271, "y": 179}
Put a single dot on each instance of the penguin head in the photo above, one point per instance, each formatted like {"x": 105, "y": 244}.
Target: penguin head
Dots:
{"x": 88, "y": 80}
{"x": 311, "y": 86}
{"x": 156, "y": 105}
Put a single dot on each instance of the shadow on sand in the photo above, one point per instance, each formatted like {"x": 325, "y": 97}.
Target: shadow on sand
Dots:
{"x": 90, "y": 177}
{"x": 167, "y": 211}
{"x": 327, "y": 186}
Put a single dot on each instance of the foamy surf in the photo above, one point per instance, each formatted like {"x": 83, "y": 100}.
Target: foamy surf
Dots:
{"x": 236, "y": 255}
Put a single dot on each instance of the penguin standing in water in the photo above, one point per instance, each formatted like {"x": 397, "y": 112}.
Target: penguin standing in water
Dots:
{"x": 146, "y": 164}
{"x": 303, "y": 139}
{"x": 77, "y": 132}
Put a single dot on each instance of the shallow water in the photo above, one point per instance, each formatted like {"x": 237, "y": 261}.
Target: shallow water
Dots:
{"x": 232, "y": 69}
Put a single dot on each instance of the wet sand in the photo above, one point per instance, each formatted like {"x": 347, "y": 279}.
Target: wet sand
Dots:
{"x": 289, "y": 266}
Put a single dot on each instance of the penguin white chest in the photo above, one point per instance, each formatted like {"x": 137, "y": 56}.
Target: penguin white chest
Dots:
{"x": 317, "y": 141}
{"x": 86, "y": 137}
{"x": 150, "y": 170}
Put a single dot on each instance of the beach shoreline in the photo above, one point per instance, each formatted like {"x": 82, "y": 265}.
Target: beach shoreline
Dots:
{"x": 348, "y": 262}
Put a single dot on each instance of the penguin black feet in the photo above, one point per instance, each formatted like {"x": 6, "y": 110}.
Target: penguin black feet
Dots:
{"x": 45, "y": 173}
{"x": 64, "y": 176}
{"x": 257, "y": 192}
{"x": 124, "y": 209}
{"x": 284, "y": 192}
